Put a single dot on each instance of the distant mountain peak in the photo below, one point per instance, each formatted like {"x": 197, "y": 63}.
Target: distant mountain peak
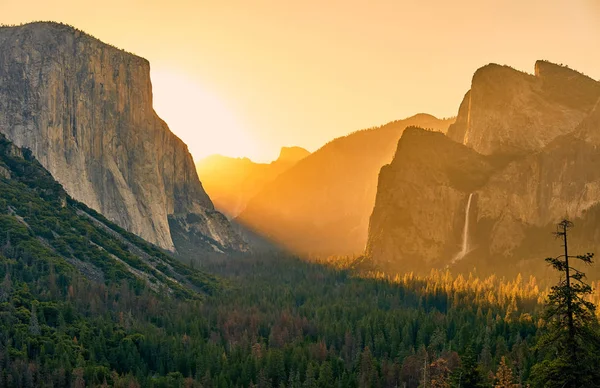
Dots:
{"x": 292, "y": 154}
{"x": 421, "y": 116}
{"x": 231, "y": 182}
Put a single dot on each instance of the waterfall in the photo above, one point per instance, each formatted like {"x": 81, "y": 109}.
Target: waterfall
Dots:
{"x": 465, "y": 237}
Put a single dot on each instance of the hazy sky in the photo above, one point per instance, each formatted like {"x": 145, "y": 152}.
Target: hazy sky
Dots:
{"x": 246, "y": 77}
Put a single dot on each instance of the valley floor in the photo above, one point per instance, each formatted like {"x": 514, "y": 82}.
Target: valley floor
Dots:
{"x": 276, "y": 322}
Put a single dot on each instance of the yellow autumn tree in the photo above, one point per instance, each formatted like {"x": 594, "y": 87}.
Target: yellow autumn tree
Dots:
{"x": 504, "y": 376}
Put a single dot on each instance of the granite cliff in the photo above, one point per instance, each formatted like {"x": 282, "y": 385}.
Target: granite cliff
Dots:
{"x": 510, "y": 112}
{"x": 421, "y": 197}
{"x": 43, "y": 227}
{"x": 526, "y": 155}
{"x": 84, "y": 108}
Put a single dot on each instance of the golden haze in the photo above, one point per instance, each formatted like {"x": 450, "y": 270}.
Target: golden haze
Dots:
{"x": 252, "y": 76}
{"x": 232, "y": 182}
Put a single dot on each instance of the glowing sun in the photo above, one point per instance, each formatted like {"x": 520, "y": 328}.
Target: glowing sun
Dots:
{"x": 200, "y": 118}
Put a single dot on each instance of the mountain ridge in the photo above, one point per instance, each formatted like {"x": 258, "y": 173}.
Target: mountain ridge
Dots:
{"x": 321, "y": 205}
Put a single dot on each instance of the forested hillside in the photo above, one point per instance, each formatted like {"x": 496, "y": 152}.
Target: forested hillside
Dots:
{"x": 67, "y": 273}
{"x": 39, "y": 221}
{"x": 84, "y": 303}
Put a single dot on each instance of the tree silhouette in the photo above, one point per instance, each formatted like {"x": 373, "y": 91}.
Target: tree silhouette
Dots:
{"x": 571, "y": 342}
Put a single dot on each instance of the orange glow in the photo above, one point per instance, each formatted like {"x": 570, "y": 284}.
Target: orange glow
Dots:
{"x": 304, "y": 72}
{"x": 200, "y": 118}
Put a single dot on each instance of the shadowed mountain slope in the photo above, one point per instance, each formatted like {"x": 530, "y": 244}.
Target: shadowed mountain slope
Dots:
{"x": 322, "y": 205}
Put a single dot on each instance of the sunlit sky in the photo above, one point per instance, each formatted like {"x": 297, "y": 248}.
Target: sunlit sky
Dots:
{"x": 243, "y": 78}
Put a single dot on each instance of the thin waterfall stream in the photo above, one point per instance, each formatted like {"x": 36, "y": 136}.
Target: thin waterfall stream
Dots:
{"x": 465, "y": 237}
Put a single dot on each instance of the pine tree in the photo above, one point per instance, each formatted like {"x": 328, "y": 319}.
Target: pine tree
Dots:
{"x": 309, "y": 380}
{"x": 571, "y": 341}
{"x": 5, "y": 287}
{"x": 263, "y": 379}
{"x": 367, "y": 372}
{"x": 78, "y": 380}
{"x": 293, "y": 380}
{"x": 325, "y": 376}
{"x": 486, "y": 352}
{"x": 439, "y": 374}
{"x": 34, "y": 326}
{"x": 504, "y": 376}
{"x": 469, "y": 375}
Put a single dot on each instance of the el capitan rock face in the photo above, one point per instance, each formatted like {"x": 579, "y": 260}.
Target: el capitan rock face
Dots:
{"x": 321, "y": 205}
{"x": 84, "y": 108}
{"x": 518, "y": 192}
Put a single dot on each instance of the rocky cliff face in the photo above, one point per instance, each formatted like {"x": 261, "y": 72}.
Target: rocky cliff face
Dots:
{"x": 523, "y": 173}
{"x": 510, "y": 112}
{"x": 70, "y": 237}
{"x": 232, "y": 182}
{"x": 322, "y": 205}
{"x": 84, "y": 108}
{"x": 421, "y": 200}
{"x": 562, "y": 179}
